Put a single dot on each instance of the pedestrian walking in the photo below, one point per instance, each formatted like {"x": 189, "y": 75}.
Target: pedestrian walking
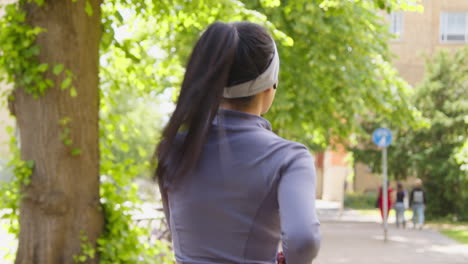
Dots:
{"x": 231, "y": 188}
{"x": 400, "y": 206}
{"x": 418, "y": 204}
{"x": 389, "y": 200}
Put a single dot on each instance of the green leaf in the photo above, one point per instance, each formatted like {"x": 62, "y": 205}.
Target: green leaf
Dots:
{"x": 270, "y": 3}
{"x": 64, "y": 121}
{"x": 9, "y": 129}
{"x": 118, "y": 16}
{"x": 124, "y": 147}
{"x": 30, "y": 164}
{"x": 58, "y": 68}
{"x": 39, "y": 2}
{"x": 43, "y": 67}
{"x": 88, "y": 8}
{"x": 76, "y": 152}
{"x": 73, "y": 92}
{"x": 66, "y": 83}
{"x": 67, "y": 142}
{"x": 49, "y": 82}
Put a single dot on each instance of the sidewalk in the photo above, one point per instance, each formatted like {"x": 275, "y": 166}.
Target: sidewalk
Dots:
{"x": 349, "y": 237}
{"x": 332, "y": 211}
{"x": 362, "y": 243}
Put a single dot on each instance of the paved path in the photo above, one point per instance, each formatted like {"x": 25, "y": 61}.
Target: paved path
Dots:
{"x": 349, "y": 237}
{"x": 362, "y": 243}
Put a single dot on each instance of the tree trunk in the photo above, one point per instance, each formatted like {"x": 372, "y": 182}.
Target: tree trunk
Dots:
{"x": 62, "y": 200}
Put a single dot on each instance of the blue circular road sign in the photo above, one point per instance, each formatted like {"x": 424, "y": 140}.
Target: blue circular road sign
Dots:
{"x": 382, "y": 137}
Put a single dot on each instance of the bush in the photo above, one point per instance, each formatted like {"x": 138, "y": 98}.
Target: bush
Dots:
{"x": 360, "y": 200}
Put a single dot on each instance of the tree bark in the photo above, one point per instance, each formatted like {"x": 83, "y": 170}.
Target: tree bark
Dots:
{"x": 62, "y": 199}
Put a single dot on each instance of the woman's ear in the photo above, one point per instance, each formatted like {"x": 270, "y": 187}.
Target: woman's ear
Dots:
{"x": 269, "y": 90}
{"x": 268, "y": 97}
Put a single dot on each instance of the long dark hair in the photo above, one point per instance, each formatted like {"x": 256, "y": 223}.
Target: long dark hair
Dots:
{"x": 225, "y": 55}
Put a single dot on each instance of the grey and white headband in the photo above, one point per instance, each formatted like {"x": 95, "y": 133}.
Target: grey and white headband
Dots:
{"x": 264, "y": 81}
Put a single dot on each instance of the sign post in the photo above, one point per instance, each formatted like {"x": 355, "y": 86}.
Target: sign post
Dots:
{"x": 382, "y": 137}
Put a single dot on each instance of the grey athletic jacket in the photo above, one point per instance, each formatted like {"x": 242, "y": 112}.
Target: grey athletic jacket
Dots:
{"x": 250, "y": 189}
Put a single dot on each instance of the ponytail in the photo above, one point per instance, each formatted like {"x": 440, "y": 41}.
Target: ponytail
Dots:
{"x": 206, "y": 76}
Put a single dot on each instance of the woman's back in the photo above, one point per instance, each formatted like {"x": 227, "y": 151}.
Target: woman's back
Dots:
{"x": 228, "y": 209}
{"x": 232, "y": 188}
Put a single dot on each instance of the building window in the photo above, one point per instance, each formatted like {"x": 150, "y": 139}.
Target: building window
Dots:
{"x": 396, "y": 24}
{"x": 454, "y": 27}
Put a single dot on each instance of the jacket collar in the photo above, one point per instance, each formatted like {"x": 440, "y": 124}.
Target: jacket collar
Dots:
{"x": 227, "y": 117}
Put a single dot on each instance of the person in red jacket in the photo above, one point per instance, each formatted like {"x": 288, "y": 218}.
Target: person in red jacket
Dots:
{"x": 389, "y": 200}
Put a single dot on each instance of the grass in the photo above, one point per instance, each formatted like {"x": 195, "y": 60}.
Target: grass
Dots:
{"x": 459, "y": 235}
{"x": 457, "y": 231}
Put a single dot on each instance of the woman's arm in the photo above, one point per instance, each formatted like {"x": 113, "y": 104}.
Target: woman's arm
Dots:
{"x": 299, "y": 222}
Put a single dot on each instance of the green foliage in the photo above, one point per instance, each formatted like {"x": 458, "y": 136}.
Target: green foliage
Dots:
{"x": 399, "y": 166}
{"x": 88, "y": 8}
{"x": 87, "y": 249}
{"x": 390, "y": 5}
{"x": 129, "y": 125}
{"x": 335, "y": 58}
{"x": 442, "y": 98}
{"x": 360, "y": 200}
{"x": 11, "y": 190}
{"x": 122, "y": 240}
{"x": 337, "y": 71}
{"x": 437, "y": 152}
{"x": 270, "y": 3}
{"x": 67, "y": 81}
{"x": 18, "y": 60}
{"x": 461, "y": 156}
{"x": 65, "y": 136}
{"x": 58, "y": 69}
